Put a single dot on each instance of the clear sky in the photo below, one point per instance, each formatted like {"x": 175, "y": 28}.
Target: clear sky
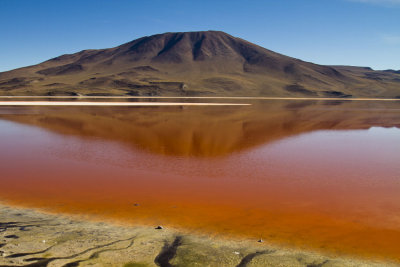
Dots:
{"x": 346, "y": 32}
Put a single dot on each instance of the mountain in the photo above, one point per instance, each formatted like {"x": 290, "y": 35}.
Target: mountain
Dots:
{"x": 209, "y": 63}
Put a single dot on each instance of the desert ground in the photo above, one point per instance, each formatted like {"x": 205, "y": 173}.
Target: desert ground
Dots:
{"x": 33, "y": 238}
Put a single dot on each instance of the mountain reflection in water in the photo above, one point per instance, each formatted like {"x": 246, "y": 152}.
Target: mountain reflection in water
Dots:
{"x": 207, "y": 131}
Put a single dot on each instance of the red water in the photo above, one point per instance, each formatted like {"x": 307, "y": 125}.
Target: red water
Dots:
{"x": 331, "y": 190}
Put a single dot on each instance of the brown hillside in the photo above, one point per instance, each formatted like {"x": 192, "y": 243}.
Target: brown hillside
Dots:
{"x": 194, "y": 64}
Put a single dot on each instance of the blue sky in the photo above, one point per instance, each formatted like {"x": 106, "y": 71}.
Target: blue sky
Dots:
{"x": 348, "y": 32}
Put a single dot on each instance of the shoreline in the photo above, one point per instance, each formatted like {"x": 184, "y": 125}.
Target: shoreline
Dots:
{"x": 128, "y": 104}
{"x": 29, "y": 236}
{"x": 212, "y": 97}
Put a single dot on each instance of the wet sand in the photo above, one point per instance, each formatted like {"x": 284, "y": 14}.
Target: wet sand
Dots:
{"x": 32, "y": 238}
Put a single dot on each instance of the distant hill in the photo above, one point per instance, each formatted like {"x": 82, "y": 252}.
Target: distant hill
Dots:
{"x": 209, "y": 63}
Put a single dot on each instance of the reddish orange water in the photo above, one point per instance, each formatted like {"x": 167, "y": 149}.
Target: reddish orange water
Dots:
{"x": 325, "y": 187}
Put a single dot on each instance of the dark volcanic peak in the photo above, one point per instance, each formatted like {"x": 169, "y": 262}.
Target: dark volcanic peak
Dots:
{"x": 199, "y": 46}
{"x": 182, "y": 47}
{"x": 195, "y": 63}
{"x": 191, "y": 46}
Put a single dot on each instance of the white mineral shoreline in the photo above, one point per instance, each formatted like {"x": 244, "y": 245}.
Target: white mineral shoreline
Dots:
{"x": 209, "y": 97}
{"x": 71, "y": 103}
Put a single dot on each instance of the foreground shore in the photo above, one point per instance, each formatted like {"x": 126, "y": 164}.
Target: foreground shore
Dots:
{"x": 33, "y": 238}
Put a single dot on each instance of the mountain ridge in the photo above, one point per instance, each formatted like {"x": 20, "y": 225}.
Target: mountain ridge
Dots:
{"x": 205, "y": 63}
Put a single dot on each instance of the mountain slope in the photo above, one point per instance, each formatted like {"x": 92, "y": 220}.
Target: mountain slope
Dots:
{"x": 194, "y": 63}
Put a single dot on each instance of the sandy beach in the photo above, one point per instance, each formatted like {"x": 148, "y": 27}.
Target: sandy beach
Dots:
{"x": 32, "y": 238}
